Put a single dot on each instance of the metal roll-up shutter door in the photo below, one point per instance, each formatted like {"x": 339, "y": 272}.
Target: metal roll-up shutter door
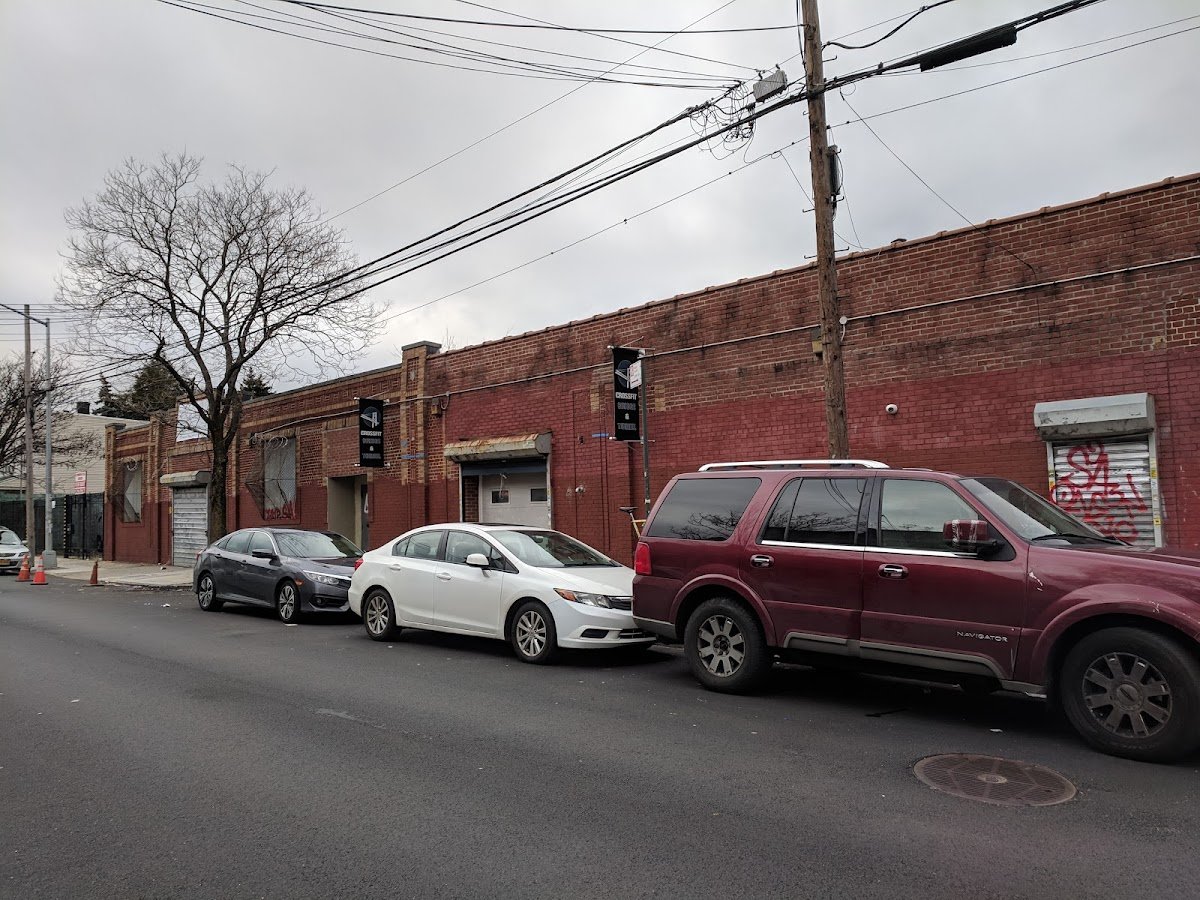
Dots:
{"x": 518, "y": 499}
{"x": 1108, "y": 482}
{"x": 189, "y": 524}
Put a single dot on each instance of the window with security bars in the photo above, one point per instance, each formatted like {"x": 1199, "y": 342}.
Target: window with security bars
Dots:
{"x": 279, "y": 479}
{"x": 131, "y": 492}
{"x": 271, "y": 480}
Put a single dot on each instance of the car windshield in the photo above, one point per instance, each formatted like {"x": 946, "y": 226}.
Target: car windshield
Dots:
{"x": 549, "y": 549}
{"x": 314, "y": 545}
{"x": 9, "y": 538}
{"x": 1029, "y": 515}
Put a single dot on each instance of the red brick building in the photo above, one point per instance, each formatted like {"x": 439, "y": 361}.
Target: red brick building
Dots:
{"x": 1063, "y": 341}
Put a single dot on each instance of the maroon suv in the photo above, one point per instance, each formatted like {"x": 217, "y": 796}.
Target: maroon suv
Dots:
{"x": 973, "y": 580}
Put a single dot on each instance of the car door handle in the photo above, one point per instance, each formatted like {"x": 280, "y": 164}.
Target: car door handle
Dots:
{"x": 893, "y": 571}
{"x": 762, "y": 561}
{"x": 444, "y": 576}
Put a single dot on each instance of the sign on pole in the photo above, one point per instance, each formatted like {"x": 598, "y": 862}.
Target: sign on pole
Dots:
{"x": 81, "y": 482}
{"x": 627, "y": 393}
{"x": 370, "y": 433}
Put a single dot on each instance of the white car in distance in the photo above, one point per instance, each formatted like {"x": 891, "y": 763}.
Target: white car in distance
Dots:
{"x": 535, "y": 588}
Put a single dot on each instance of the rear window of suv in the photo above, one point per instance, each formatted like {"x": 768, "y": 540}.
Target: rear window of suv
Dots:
{"x": 703, "y": 509}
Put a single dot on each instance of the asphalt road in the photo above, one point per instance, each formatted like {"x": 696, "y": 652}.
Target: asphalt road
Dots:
{"x": 162, "y": 752}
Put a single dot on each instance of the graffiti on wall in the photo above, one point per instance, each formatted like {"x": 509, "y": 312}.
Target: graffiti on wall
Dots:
{"x": 1110, "y": 503}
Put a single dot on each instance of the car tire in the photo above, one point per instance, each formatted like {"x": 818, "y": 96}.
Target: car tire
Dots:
{"x": 379, "y": 615}
{"x": 533, "y": 636}
{"x": 206, "y": 594}
{"x": 287, "y": 603}
{"x": 1133, "y": 693}
{"x": 725, "y": 647}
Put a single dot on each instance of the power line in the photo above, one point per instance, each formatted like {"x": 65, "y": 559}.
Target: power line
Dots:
{"x": 519, "y": 69}
{"x": 467, "y": 52}
{"x": 543, "y": 27}
{"x": 623, "y": 40}
{"x": 931, "y": 190}
{"x": 923, "y": 9}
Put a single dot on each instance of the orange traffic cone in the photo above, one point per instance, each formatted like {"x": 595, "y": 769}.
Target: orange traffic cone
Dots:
{"x": 23, "y": 575}
{"x": 39, "y": 573}
{"x": 95, "y": 579}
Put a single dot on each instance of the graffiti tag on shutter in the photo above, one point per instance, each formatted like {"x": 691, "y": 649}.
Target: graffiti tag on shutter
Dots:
{"x": 1090, "y": 491}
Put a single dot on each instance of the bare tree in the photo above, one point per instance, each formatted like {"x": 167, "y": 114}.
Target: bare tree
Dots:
{"x": 205, "y": 279}
{"x": 68, "y": 446}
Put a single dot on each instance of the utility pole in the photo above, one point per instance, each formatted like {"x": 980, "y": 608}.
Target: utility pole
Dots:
{"x": 30, "y": 537}
{"x": 49, "y": 558}
{"x": 820, "y": 162}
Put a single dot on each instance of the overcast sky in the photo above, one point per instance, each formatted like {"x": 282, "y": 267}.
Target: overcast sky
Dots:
{"x": 87, "y": 83}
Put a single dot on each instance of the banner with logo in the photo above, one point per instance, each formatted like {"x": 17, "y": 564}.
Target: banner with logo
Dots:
{"x": 370, "y": 433}
{"x": 627, "y": 393}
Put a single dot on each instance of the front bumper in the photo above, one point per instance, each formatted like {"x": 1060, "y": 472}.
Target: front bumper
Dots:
{"x": 323, "y": 598}
{"x": 581, "y": 626}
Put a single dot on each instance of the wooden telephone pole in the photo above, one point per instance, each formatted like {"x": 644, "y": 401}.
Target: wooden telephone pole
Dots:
{"x": 821, "y": 163}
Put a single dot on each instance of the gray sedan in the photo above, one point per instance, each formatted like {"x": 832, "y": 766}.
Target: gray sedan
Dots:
{"x": 287, "y": 569}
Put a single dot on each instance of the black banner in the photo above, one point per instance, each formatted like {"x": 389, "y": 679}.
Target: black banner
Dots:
{"x": 370, "y": 433}
{"x": 627, "y": 393}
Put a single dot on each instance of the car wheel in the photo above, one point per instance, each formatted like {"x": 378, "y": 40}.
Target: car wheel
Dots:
{"x": 1133, "y": 693}
{"x": 379, "y": 616}
{"x": 287, "y": 603}
{"x": 725, "y": 647}
{"x": 206, "y": 594}
{"x": 533, "y": 635}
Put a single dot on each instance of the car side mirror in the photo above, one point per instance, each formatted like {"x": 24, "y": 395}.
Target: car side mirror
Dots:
{"x": 262, "y": 554}
{"x": 478, "y": 560}
{"x": 969, "y": 536}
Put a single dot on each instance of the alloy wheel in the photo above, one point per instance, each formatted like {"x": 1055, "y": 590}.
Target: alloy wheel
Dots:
{"x": 1127, "y": 695}
{"x": 206, "y": 592}
{"x": 376, "y": 614}
{"x": 287, "y": 602}
{"x": 531, "y": 633}
{"x": 721, "y": 645}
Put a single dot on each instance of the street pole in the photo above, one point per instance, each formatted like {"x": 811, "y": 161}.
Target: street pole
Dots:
{"x": 645, "y": 396}
{"x": 819, "y": 161}
{"x": 49, "y": 559}
{"x": 30, "y": 537}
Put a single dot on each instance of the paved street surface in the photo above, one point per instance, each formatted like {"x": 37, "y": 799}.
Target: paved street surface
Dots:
{"x": 158, "y": 751}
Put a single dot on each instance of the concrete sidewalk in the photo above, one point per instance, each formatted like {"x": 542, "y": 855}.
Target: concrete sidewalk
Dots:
{"x": 120, "y": 573}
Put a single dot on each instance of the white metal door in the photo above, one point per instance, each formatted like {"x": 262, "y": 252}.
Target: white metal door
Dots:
{"x": 189, "y": 524}
{"x": 1110, "y": 483}
{"x": 515, "y": 499}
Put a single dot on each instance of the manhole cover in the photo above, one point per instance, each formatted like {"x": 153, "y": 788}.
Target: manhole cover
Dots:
{"x": 989, "y": 779}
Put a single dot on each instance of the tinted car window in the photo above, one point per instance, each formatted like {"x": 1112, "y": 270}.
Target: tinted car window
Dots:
{"x": 817, "y": 511}
{"x": 703, "y": 509}
{"x": 550, "y": 549}
{"x": 315, "y": 545}
{"x": 461, "y": 544}
{"x": 912, "y": 514}
{"x": 239, "y": 542}
{"x": 423, "y": 545}
{"x": 261, "y": 541}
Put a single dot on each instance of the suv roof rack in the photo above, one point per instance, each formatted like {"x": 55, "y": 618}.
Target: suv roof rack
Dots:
{"x": 797, "y": 463}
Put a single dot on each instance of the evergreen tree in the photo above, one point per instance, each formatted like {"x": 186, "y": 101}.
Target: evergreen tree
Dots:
{"x": 254, "y": 385}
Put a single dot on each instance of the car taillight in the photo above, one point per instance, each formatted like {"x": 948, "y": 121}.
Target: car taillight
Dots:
{"x": 357, "y": 563}
{"x": 641, "y": 559}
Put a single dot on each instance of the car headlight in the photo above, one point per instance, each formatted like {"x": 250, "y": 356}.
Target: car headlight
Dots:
{"x": 332, "y": 580}
{"x": 584, "y": 598}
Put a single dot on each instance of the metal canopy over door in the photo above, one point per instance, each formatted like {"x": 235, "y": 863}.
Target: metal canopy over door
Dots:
{"x": 189, "y": 524}
{"x": 1111, "y": 484}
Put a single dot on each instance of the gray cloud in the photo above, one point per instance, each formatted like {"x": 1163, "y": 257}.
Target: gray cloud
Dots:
{"x": 91, "y": 83}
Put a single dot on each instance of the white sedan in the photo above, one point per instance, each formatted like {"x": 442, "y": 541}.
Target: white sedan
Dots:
{"x": 536, "y": 588}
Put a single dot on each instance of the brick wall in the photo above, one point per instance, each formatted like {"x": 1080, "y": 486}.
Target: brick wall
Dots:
{"x": 965, "y": 331}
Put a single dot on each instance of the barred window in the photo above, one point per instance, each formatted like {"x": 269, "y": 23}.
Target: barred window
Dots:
{"x": 131, "y": 490}
{"x": 279, "y": 478}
